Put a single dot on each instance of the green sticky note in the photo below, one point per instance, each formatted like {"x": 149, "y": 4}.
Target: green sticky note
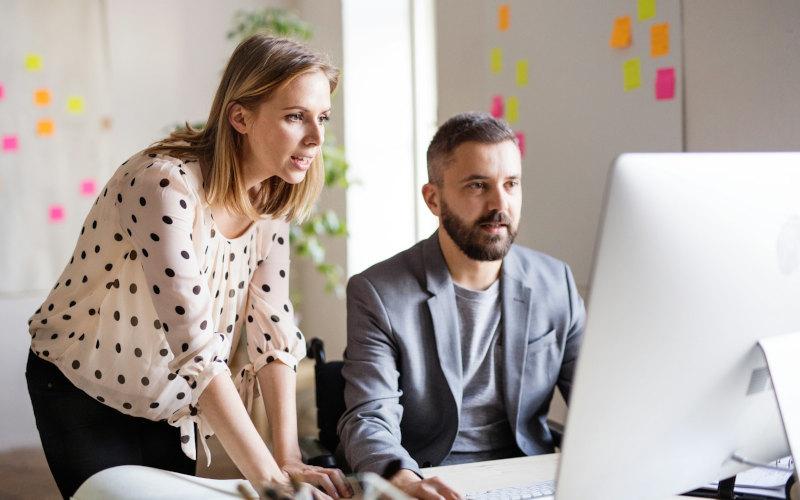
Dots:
{"x": 512, "y": 109}
{"x": 632, "y": 74}
{"x": 75, "y": 104}
{"x": 33, "y": 62}
{"x": 646, "y": 9}
{"x": 522, "y": 72}
{"x": 496, "y": 60}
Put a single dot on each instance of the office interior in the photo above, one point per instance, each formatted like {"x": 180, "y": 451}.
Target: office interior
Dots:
{"x": 726, "y": 81}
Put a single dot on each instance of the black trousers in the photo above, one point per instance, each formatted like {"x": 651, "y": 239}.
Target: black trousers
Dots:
{"x": 82, "y": 436}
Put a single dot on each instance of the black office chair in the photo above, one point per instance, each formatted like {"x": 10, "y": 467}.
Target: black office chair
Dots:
{"x": 329, "y": 391}
{"x": 329, "y": 395}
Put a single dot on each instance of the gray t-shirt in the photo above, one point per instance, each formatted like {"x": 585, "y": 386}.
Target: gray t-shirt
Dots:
{"x": 483, "y": 430}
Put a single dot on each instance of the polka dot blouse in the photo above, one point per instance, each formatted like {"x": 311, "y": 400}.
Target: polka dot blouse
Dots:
{"x": 154, "y": 296}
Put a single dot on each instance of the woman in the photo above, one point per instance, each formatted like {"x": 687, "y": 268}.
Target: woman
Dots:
{"x": 187, "y": 245}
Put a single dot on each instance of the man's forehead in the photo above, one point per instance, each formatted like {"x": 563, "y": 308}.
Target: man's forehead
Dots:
{"x": 484, "y": 159}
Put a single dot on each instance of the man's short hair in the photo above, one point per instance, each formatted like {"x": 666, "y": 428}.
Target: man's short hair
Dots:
{"x": 464, "y": 127}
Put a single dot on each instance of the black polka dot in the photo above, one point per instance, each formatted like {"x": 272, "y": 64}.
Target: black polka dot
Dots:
{"x": 196, "y": 290}
{"x": 83, "y": 254}
{"x": 164, "y": 183}
{"x": 137, "y": 352}
{"x": 154, "y": 237}
{"x": 157, "y": 324}
{"x": 53, "y": 336}
{"x": 117, "y": 236}
{"x": 198, "y": 359}
{"x": 156, "y": 290}
{"x": 181, "y": 395}
{"x": 144, "y": 252}
{"x": 76, "y": 364}
{"x": 119, "y": 197}
{"x": 163, "y": 352}
{"x": 97, "y": 344}
{"x": 249, "y": 319}
{"x": 133, "y": 181}
{"x": 270, "y": 359}
{"x": 133, "y": 254}
{"x": 101, "y": 399}
{"x": 132, "y": 288}
{"x": 280, "y": 241}
{"x": 184, "y": 347}
{"x": 232, "y": 256}
{"x": 118, "y": 347}
{"x": 167, "y": 219}
{"x": 134, "y": 321}
{"x": 229, "y": 329}
{"x": 68, "y": 282}
{"x": 274, "y": 318}
{"x": 231, "y": 292}
{"x": 134, "y": 219}
{"x": 180, "y": 310}
{"x": 109, "y": 266}
{"x": 282, "y": 273}
{"x": 241, "y": 284}
{"x": 258, "y": 350}
{"x": 169, "y": 272}
{"x": 98, "y": 374}
{"x": 203, "y": 325}
{"x": 127, "y": 406}
{"x": 116, "y": 315}
{"x": 66, "y": 317}
{"x": 145, "y": 381}
{"x": 268, "y": 337}
{"x": 172, "y": 376}
{"x": 286, "y": 307}
{"x": 166, "y": 327}
{"x": 142, "y": 201}
{"x": 183, "y": 204}
{"x": 184, "y": 254}
{"x": 121, "y": 379}
{"x": 154, "y": 405}
{"x": 299, "y": 335}
{"x": 97, "y": 249}
{"x": 213, "y": 233}
{"x": 84, "y": 279}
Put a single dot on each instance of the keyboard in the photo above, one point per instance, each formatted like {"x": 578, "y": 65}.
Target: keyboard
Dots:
{"x": 535, "y": 490}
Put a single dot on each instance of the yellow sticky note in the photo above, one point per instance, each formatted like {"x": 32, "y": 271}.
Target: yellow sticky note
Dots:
{"x": 496, "y": 60}
{"x": 621, "y": 36}
{"x": 522, "y": 72}
{"x": 42, "y": 97}
{"x": 45, "y": 127}
{"x": 33, "y": 62}
{"x": 512, "y": 109}
{"x": 659, "y": 39}
{"x": 646, "y": 9}
{"x": 632, "y": 74}
{"x": 75, "y": 104}
{"x": 503, "y": 17}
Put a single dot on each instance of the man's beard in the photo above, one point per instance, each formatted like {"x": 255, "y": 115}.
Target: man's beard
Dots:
{"x": 473, "y": 241}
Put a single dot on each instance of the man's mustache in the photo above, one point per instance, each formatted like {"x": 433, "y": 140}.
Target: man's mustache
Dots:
{"x": 495, "y": 217}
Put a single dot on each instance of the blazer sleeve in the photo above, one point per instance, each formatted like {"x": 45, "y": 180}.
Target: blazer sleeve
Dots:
{"x": 370, "y": 427}
{"x": 575, "y": 327}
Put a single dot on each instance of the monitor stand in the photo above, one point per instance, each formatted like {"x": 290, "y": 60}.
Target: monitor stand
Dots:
{"x": 782, "y": 353}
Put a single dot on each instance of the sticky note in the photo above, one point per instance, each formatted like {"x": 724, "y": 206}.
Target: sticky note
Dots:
{"x": 496, "y": 60}
{"x": 75, "y": 104}
{"x": 512, "y": 109}
{"x": 521, "y": 142}
{"x": 621, "y": 36}
{"x": 646, "y": 9}
{"x": 45, "y": 127}
{"x": 497, "y": 106}
{"x": 88, "y": 187}
{"x": 665, "y": 83}
{"x": 522, "y": 72}
{"x": 10, "y": 143}
{"x": 659, "y": 39}
{"x": 2, "y": 91}
{"x": 33, "y": 62}
{"x": 42, "y": 97}
{"x": 503, "y": 17}
{"x": 631, "y": 74}
{"x": 55, "y": 213}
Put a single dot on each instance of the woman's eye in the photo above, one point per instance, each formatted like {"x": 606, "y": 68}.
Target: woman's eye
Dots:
{"x": 324, "y": 119}
{"x": 295, "y": 117}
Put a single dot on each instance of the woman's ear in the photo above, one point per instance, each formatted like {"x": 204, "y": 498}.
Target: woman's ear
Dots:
{"x": 238, "y": 117}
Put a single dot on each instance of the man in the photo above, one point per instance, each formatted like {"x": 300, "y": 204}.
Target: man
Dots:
{"x": 455, "y": 345}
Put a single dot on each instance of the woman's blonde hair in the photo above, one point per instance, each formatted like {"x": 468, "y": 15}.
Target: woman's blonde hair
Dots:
{"x": 260, "y": 65}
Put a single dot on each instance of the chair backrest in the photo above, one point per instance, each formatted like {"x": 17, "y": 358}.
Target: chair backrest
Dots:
{"x": 329, "y": 394}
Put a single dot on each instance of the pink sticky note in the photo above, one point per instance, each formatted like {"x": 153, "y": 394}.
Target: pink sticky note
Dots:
{"x": 10, "y": 143}
{"x": 521, "y": 142}
{"x": 88, "y": 187}
{"x": 497, "y": 106}
{"x": 665, "y": 83}
{"x": 56, "y": 213}
{"x": 2, "y": 91}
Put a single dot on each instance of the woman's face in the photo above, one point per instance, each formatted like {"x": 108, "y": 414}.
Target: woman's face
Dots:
{"x": 284, "y": 134}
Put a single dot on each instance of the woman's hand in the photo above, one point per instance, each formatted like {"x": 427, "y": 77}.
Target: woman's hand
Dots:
{"x": 331, "y": 481}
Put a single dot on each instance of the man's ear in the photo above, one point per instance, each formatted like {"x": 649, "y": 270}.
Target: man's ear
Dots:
{"x": 238, "y": 117}
{"x": 431, "y": 195}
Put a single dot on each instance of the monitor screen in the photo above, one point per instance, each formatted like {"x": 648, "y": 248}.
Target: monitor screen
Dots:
{"x": 698, "y": 256}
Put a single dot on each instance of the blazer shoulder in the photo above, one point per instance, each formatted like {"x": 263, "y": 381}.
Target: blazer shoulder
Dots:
{"x": 532, "y": 264}
{"x": 398, "y": 269}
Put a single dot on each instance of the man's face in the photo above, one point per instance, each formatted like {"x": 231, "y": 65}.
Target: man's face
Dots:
{"x": 479, "y": 199}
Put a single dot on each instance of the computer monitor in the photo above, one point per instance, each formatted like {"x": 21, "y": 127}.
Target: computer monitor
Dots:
{"x": 697, "y": 258}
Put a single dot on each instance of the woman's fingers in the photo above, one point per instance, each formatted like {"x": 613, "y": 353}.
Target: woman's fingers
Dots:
{"x": 322, "y": 480}
{"x": 340, "y": 482}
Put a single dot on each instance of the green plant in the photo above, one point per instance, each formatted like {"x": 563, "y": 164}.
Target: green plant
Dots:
{"x": 306, "y": 238}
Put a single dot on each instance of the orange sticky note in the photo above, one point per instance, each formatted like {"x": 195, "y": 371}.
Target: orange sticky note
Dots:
{"x": 45, "y": 127}
{"x": 621, "y": 36}
{"x": 503, "y": 17}
{"x": 42, "y": 97}
{"x": 55, "y": 213}
{"x": 659, "y": 39}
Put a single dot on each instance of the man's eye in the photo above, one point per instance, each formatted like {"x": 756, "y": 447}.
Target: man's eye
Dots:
{"x": 476, "y": 185}
{"x": 512, "y": 184}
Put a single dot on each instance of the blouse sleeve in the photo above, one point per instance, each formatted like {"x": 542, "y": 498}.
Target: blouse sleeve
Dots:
{"x": 157, "y": 211}
{"x": 271, "y": 331}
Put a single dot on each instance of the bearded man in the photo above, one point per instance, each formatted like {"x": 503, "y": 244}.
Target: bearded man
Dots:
{"x": 455, "y": 345}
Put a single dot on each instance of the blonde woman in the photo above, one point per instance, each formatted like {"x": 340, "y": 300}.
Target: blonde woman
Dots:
{"x": 187, "y": 246}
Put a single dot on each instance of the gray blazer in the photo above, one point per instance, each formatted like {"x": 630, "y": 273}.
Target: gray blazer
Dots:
{"x": 402, "y": 364}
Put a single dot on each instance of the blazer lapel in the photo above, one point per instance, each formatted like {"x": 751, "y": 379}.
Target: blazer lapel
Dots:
{"x": 444, "y": 314}
{"x": 516, "y": 299}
